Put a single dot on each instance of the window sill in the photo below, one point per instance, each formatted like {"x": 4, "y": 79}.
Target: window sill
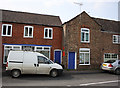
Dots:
{"x": 84, "y": 64}
{"x": 116, "y": 43}
{"x": 7, "y": 35}
{"x": 85, "y": 42}
{"x": 48, "y": 38}
{"x": 27, "y": 37}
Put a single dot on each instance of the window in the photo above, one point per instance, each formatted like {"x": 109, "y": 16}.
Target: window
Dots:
{"x": 6, "y": 30}
{"x": 41, "y": 59}
{"x": 116, "y": 39}
{"x": 110, "y": 56}
{"x": 44, "y": 50}
{"x": 85, "y": 36}
{"x": 28, "y": 31}
{"x": 48, "y": 33}
{"x": 84, "y": 56}
{"x": 7, "y": 49}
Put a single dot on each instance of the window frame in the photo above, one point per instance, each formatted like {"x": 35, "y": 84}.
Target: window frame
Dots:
{"x": 7, "y": 30}
{"x": 28, "y": 31}
{"x": 84, "y": 49}
{"x": 110, "y": 54}
{"x": 48, "y": 33}
{"x": 116, "y": 36}
{"x": 85, "y": 35}
{"x": 37, "y": 49}
{"x": 11, "y": 47}
{"x": 43, "y": 61}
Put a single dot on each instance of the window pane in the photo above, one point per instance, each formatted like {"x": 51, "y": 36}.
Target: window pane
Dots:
{"x": 41, "y": 59}
{"x": 50, "y": 33}
{"x": 4, "y": 30}
{"x": 16, "y": 48}
{"x": 82, "y": 36}
{"x": 84, "y": 30}
{"x": 86, "y": 58}
{"x": 26, "y": 31}
{"x": 46, "y": 49}
{"x": 46, "y": 53}
{"x": 114, "y": 39}
{"x": 81, "y": 58}
{"x": 46, "y": 32}
{"x": 110, "y": 56}
{"x": 87, "y": 35}
{"x": 9, "y": 30}
{"x": 30, "y": 31}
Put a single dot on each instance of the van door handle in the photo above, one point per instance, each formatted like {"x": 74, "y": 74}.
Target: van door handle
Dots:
{"x": 35, "y": 65}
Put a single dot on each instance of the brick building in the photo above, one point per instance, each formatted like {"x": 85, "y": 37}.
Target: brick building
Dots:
{"x": 90, "y": 41}
{"x": 31, "y": 32}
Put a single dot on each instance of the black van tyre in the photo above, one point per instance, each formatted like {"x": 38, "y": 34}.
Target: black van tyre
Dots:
{"x": 117, "y": 71}
{"x": 16, "y": 73}
{"x": 54, "y": 73}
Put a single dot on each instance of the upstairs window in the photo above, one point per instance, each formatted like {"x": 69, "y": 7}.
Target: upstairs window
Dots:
{"x": 116, "y": 39}
{"x": 28, "y": 31}
{"x": 85, "y": 35}
{"x": 6, "y": 30}
{"x": 48, "y": 33}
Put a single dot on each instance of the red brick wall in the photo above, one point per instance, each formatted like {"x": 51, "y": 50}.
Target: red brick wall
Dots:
{"x": 38, "y": 36}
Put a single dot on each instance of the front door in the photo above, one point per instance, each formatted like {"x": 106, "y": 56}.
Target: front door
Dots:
{"x": 71, "y": 60}
{"x": 57, "y": 56}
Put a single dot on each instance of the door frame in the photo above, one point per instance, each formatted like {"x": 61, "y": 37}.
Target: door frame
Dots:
{"x": 61, "y": 54}
{"x": 75, "y": 59}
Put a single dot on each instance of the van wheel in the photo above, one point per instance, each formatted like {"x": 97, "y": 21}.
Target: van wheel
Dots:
{"x": 54, "y": 73}
{"x": 117, "y": 71}
{"x": 16, "y": 73}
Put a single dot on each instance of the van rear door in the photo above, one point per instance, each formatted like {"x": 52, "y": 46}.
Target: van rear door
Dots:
{"x": 29, "y": 63}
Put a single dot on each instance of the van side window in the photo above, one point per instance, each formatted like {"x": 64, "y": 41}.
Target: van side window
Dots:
{"x": 41, "y": 59}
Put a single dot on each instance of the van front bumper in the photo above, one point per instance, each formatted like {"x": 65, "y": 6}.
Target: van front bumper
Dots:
{"x": 60, "y": 71}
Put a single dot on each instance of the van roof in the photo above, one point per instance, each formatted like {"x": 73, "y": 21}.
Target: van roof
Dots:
{"x": 37, "y": 53}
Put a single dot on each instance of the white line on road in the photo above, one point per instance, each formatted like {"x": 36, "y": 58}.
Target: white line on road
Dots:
{"x": 87, "y": 84}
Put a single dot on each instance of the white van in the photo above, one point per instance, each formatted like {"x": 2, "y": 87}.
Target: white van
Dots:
{"x": 27, "y": 62}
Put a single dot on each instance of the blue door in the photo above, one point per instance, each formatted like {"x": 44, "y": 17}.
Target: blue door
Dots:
{"x": 71, "y": 60}
{"x": 57, "y": 57}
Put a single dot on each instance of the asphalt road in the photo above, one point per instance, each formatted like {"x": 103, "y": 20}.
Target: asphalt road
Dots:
{"x": 68, "y": 79}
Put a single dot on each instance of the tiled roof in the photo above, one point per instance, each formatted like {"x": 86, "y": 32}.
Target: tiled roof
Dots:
{"x": 108, "y": 25}
{"x": 30, "y": 18}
